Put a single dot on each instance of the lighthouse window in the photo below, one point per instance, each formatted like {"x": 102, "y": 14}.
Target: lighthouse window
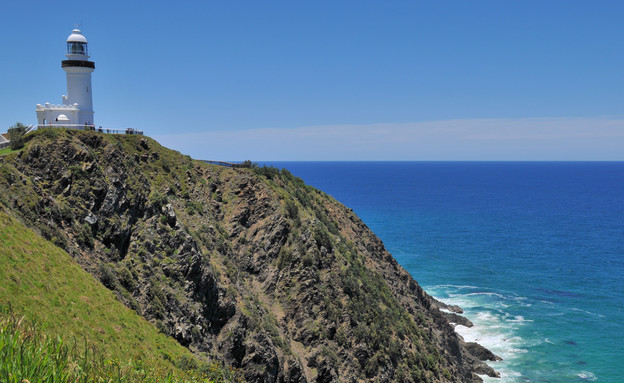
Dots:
{"x": 76, "y": 48}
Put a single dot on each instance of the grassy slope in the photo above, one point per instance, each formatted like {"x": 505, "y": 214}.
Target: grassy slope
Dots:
{"x": 42, "y": 282}
{"x": 6, "y": 151}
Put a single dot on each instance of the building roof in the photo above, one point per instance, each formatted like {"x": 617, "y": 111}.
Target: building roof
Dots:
{"x": 4, "y": 137}
{"x": 76, "y": 36}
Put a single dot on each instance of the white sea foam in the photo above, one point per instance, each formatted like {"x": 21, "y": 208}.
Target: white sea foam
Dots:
{"x": 587, "y": 312}
{"x": 506, "y": 376}
{"x": 587, "y": 375}
{"x": 555, "y": 314}
{"x": 494, "y": 327}
{"x": 519, "y": 319}
{"x": 486, "y": 293}
{"x": 518, "y": 351}
{"x": 458, "y": 287}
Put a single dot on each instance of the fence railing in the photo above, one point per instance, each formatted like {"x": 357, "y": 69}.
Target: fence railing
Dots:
{"x": 4, "y": 145}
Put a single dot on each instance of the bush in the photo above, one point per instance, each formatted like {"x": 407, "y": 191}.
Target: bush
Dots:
{"x": 84, "y": 235}
{"x": 158, "y": 200}
{"x": 268, "y": 172}
{"x": 49, "y": 133}
{"x": 194, "y": 207}
{"x": 108, "y": 276}
{"x": 158, "y": 300}
{"x": 293, "y": 211}
{"x": 126, "y": 278}
{"x": 16, "y": 136}
{"x": 285, "y": 258}
{"x": 321, "y": 236}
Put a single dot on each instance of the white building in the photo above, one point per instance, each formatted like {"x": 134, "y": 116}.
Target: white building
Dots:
{"x": 77, "y": 107}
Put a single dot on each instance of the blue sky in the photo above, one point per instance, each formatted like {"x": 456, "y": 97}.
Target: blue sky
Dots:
{"x": 335, "y": 80}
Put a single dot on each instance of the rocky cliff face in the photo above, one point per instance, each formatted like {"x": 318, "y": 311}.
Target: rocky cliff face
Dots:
{"x": 249, "y": 265}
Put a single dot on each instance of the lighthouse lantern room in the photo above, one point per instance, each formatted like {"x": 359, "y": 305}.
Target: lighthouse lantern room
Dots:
{"x": 76, "y": 109}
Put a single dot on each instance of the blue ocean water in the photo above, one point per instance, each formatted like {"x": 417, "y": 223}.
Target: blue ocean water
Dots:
{"x": 533, "y": 252}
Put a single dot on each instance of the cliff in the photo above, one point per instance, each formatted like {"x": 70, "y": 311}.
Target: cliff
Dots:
{"x": 249, "y": 265}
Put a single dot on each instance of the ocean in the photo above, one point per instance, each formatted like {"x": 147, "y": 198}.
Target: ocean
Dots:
{"x": 532, "y": 251}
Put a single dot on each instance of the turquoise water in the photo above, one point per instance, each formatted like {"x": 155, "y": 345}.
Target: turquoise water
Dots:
{"x": 533, "y": 252}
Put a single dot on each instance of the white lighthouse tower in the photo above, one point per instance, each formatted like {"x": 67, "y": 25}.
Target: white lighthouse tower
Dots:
{"x": 78, "y": 69}
{"x": 77, "y": 107}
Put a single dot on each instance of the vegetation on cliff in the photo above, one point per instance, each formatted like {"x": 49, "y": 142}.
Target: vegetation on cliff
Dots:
{"x": 272, "y": 276}
{"x": 16, "y": 136}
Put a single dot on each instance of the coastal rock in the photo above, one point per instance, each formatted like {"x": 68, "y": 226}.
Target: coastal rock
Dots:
{"x": 484, "y": 369}
{"x": 452, "y": 308}
{"x": 481, "y": 352}
{"x": 458, "y": 319}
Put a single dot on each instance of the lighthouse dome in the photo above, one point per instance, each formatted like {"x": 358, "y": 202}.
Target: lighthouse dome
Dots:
{"x": 77, "y": 46}
{"x": 76, "y": 37}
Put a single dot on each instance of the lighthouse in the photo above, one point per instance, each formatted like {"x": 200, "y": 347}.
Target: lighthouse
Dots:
{"x": 78, "y": 69}
{"x": 76, "y": 109}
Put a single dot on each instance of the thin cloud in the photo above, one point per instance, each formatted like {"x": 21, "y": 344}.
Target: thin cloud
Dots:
{"x": 469, "y": 139}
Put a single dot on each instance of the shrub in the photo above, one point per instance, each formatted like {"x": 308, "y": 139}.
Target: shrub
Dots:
{"x": 166, "y": 165}
{"x": 49, "y": 133}
{"x": 321, "y": 236}
{"x": 293, "y": 211}
{"x": 158, "y": 200}
{"x": 84, "y": 235}
{"x": 284, "y": 258}
{"x": 78, "y": 172}
{"x": 16, "y": 136}
{"x": 158, "y": 300}
{"x": 108, "y": 276}
{"x": 268, "y": 172}
{"x": 341, "y": 337}
{"x": 187, "y": 363}
{"x": 126, "y": 278}
{"x": 194, "y": 207}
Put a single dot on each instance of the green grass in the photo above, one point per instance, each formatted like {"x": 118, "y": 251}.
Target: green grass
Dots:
{"x": 9, "y": 150}
{"x": 26, "y": 352}
{"x": 44, "y": 284}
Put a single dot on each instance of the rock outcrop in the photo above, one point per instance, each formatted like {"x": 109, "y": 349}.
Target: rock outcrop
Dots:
{"x": 249, "y": 265}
